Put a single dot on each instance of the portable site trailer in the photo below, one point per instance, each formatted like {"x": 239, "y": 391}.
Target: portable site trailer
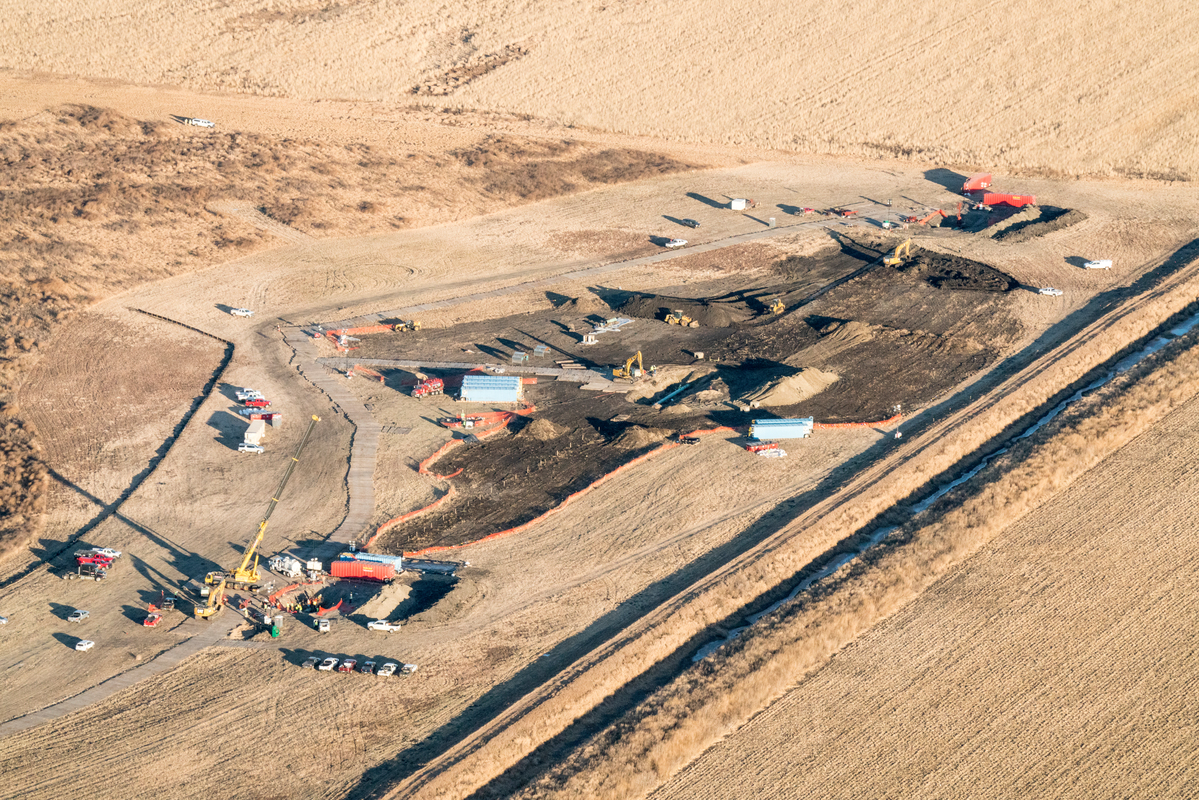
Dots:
{"x": 977, "y": 182}
{"x": 256, "y": 431}
{"x": 800, "y": 428}
{"x": 738, "y": 204}
{"x": 491, "y": 389}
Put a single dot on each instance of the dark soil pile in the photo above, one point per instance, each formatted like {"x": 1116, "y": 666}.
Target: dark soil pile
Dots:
{"x": 954, "y": 272}
{"x": 1049, "y": 220}
{"x": 709, "y": 313}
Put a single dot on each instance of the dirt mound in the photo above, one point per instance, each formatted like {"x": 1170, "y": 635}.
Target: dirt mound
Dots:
{"x": 1047, "y": 220}
{"x": 542, "y": 430}
{"x": 836, "y": 337}
{"x": 709, "y": 314}
{"x": 792, "y": 389}
{"x": 635, "y": 437}
{"x": 954, "y": 272}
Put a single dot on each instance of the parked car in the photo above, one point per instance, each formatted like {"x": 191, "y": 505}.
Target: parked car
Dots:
{"x": 676, "y": 243}
{"x": 387, "y": 669}
{"x": 103, "y": 552}
{"x": 99, "y": 560}
{"x": 78, "y": 615}
{"x": 310, "y": 663}
{"x": 201, "y": 123}
{"x": 3, "y": 620}
{"x": 1049, "y": 291}
{"x": 690, "y": 223}
{"x": 383, "y": 625}
{"x": 241, "y": 312}
{"x": 246, "y": 447}
{"x": 347, "y": 665}
{"x": 367, "y": 667}
{"x": 152, "y": 619}
{"x": 1103, "y": 263}
{"x": 83, "y": 645}
{"x": 408, "y": 669}
{"x": 258, "y": 402}
{"x": 328, "y": 664}
{"x": 247, "y": 393}
{"x": 322, "y": 625}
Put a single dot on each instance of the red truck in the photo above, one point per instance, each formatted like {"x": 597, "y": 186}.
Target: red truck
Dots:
{"x": 258, "y": 402}
{"x": 430, "y": 386}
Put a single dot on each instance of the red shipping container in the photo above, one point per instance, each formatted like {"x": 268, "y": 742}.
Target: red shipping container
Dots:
{"x": 977, "y": 182}
{"x": 370, "y": 570}
{"x": 1017, "y": 200}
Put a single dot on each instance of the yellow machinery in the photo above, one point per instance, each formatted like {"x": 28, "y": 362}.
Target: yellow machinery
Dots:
{"x": 410, "y": 325}
{"x": 677, "y": 317}
{"x": 628, "y": 371}
{"x": 246, "y": 575}
{"x": 777, "y": 307}
{"x": 901, "y": 254}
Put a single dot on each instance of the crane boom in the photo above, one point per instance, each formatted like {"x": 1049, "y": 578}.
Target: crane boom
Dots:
{"x": 246, "y": 574}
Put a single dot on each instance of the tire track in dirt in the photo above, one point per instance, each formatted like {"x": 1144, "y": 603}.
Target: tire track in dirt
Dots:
{"x": 209, "y": 635}
{"x": 261, "y": 221}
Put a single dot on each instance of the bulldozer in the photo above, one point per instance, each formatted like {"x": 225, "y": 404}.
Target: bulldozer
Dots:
{"x": 410, "y": 325}
{"x": 900, "y": 256}
{"x": 776, "y": 306}
{"x": 630, "y": 372}
{"x": 677, "y": 317}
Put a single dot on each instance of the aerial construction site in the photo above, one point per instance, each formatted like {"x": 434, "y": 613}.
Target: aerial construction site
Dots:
{"x": 467, "y": 416}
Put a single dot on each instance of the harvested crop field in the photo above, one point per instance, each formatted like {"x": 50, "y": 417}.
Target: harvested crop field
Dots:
{"x": 1057, "y": 662}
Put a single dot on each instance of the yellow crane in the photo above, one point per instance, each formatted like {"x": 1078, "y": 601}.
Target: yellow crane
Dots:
{"x": 246, "y": 575}
{"x": 627, "y": 371}
{"x": 901, "y": 254}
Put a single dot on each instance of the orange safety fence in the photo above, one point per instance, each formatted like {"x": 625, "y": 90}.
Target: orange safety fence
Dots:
{"x": 880, "y": 424}
{"x": 274, "y": 598}
{"x": 569, "y": 498}
{"x": 325, "y": 611}
{"x": 360, "y": 331}
{"x": 391, "y": 523}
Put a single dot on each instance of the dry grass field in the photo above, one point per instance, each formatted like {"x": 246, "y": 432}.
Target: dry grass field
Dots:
{"x": 1027, "y": 636}
{"x": 938, "y": 82}
{"x": 1057, "y": 661}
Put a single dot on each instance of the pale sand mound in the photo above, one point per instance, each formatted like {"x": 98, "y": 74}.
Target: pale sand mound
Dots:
{"x": 792, "y": 389}
{"x": 667, "y": 376}
{"x": 835, "y": 338}
{"x": 636, "y": 437}
{"x": 542, "y": 430}
{"x": 382, "y": 604}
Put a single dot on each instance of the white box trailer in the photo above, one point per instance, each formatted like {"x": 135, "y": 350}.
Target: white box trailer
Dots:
{"x": 256, "y": 431}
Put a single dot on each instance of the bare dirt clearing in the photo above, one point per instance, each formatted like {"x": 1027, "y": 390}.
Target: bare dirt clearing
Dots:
{"x": 531, "y": 606}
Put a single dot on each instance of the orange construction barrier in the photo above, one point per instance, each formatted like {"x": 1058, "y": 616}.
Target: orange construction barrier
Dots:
{"x": 880, "y": 424}
{"x": 391, "y": 523}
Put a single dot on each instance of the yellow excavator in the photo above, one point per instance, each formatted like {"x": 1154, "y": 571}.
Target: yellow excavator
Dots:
{"x": 901, "y": 254}
{"x": 628, "y": 371}
{"x": 246, "y": 576}
{"x": 677, "y": 317}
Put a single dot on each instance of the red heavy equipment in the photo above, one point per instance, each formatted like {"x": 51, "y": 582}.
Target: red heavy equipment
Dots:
{"x": 977, "y": 182}
{"x": 926, "y": 219}
{"x": 758, "y": 448}
{"x": 428, "y": 387}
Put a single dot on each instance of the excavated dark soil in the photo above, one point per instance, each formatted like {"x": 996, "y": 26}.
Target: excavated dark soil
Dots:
{"x": 512, "y": 477}
{"x": 1050, "y": 219}
{"x": 893, "y": 336}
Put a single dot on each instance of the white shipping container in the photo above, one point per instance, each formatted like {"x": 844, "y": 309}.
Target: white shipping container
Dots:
{"x": 738, "y": 204}
{"x": 256, "y": 431}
